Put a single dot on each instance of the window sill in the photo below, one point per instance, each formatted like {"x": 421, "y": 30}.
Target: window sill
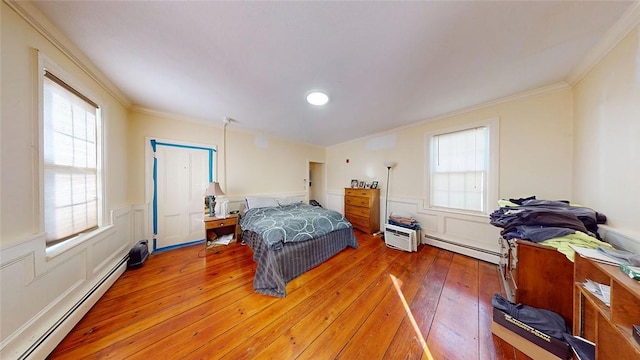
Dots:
{"x": 60, "y": 248}
{"x": 477, "y": 214}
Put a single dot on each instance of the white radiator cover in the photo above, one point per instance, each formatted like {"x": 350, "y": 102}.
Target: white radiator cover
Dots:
{"x": 401, "y": 238}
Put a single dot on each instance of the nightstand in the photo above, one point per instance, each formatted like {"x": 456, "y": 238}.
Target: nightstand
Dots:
{"x": 215, "y": 227}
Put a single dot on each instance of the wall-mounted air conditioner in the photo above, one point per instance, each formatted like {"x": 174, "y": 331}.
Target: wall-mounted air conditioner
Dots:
{"x": 401, "y": 238}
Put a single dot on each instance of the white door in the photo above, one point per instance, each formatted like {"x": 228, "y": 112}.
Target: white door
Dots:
{"x": 182, "y": 176}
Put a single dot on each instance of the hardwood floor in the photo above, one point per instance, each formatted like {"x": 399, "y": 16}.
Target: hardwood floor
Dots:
{"x": 367, "y": 303}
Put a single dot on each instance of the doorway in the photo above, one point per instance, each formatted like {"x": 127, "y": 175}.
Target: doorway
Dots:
{"x": 317, "y": 183}
{"x": 181, "y": 173}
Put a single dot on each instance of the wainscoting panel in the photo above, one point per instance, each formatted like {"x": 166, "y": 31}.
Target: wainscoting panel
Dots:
{"x": 471, "y": 235}
{"x": 476, "y": 231}
{"x": 45, "y": 294}
{"x": 142, "y": 223}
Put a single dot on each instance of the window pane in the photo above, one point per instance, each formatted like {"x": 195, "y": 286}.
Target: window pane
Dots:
{"x": 61, "y": 189}
{"x": 458, "y": 169}
{"x": 70, "y": 162}
{"x": 79, "y": 153}
{"x": 79, "y": 122}
{"x": 61, "y": 113}
{"x": 92, "y": 156}
{"x": 79, "y": 185}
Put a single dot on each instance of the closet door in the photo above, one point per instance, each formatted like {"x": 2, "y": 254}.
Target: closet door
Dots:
{"x": 182, "y": 177}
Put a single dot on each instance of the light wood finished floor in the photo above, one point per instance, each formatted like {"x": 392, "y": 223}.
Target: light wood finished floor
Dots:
{"x": 369, "y": 303}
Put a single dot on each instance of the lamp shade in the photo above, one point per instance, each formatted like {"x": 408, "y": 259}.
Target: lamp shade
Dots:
{"x": 214, "y": 189}
{"x": 389, "y": 164}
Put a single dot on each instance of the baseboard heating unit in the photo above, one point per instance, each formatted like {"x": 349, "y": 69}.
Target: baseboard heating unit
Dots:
{"x": 401, "y": 238}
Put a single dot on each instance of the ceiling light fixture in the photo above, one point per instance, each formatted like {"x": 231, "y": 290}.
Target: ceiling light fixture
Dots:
{"x": 317, "y": 98}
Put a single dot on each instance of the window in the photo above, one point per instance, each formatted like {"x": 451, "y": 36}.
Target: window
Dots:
{"x": 461, "y": 168}
{"x": 70, "y": 160}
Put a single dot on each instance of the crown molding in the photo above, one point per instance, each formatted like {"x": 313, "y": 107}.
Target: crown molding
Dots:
{"x": 50, "y": 32}
{"x": 215, "y": 124}
{"x": 173, "y": 116}
{"x": 627, "y": 22}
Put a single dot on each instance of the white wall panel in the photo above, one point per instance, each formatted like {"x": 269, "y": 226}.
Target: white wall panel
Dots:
{"x": 467, "y": 234}
{"x": 141, "y": 224}
{"x": 38, "y": 290}
{"x": 104, "y": 250}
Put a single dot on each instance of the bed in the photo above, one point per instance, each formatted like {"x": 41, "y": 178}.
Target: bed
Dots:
{"x": 289, "y": 239}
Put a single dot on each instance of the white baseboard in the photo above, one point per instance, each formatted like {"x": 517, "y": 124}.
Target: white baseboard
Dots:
{"x": 468, "y": 251}
{"x": 42, "y": 347}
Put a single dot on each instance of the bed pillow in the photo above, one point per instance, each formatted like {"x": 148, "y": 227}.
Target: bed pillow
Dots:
{"x": 260, "y": 202}
{"x": 289, "y": 201}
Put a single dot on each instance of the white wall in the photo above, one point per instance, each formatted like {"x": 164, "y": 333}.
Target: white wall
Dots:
{"x": 535, "y": 159}
{"x": 256, "y": 165}
{"x": 607, "y": 140}
{"x": 38, "y": 287}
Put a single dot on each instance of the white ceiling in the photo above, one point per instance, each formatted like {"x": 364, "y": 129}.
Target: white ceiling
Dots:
{"x": 384, "y": 64}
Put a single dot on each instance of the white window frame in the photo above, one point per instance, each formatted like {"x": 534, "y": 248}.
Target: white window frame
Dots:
{"x": 45, "y": 63}
{"x": 491, "y": 193}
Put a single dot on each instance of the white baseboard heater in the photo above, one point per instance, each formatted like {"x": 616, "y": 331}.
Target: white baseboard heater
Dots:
{"x": 401, "y": 238}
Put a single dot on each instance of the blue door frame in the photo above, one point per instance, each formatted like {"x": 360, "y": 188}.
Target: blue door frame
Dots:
{"x": 154, "y": 145}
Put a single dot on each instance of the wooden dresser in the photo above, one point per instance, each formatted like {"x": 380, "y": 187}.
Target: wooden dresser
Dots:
{"x": 362, "y": 209}
{"x": 538, "y": 276}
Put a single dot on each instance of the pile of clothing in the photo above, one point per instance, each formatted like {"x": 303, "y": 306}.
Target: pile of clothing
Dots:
{"x": 553, "y": 223}
{"x": 403, "y": 220}
{"x": 547, "y": 322}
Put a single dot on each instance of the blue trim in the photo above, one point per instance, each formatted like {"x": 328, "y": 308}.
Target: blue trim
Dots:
{"x": 154, "y": 145}
{"x": 172, "y": 247}
{"x": 155, "y": 195}
{"x": 211, "y": 151}
{"x": 185, "y": 146}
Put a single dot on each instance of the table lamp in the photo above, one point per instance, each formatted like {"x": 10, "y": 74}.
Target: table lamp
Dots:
{"x": 212, "y": 191}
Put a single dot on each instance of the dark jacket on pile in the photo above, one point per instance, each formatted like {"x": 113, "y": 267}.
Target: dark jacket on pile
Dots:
{"x": 528, "y": 218}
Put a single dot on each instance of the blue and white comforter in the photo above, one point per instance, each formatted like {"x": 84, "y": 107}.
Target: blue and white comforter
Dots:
{"x": 292, "y": 223}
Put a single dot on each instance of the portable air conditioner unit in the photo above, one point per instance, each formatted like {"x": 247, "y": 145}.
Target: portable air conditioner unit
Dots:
{"x": 401, "y": 238}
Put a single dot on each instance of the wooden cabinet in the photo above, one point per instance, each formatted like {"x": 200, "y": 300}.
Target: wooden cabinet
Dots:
{"x": 362, "y": 209}
{"x": 215, "y": 227}
{"x": 609, "y": 327}
{"x": 538, "y": 276}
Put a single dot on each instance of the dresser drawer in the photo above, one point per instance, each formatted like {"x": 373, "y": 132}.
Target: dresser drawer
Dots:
{"x": 357, "y": 201}
{"x": 218, "y": 223}
{"x": 358, "y": 192}
{"x": 357, "y": 211}
{"x": 358, "y": 221}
